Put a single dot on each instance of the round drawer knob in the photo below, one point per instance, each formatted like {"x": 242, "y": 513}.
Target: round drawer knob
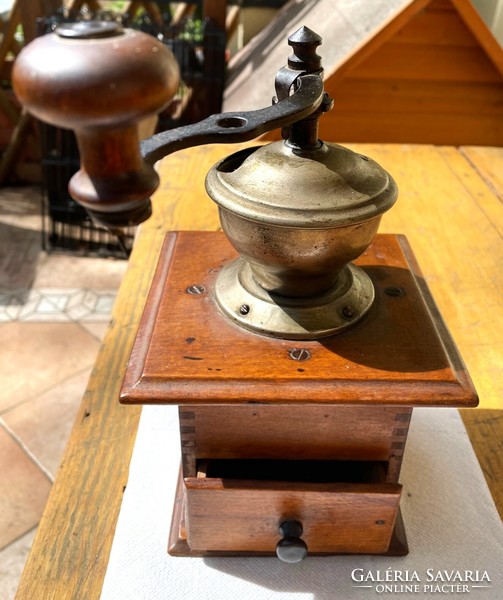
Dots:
{"x": 291, "y": 549}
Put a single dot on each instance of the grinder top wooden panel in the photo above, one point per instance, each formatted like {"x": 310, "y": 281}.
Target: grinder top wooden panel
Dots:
{"x": 186, "y": 351}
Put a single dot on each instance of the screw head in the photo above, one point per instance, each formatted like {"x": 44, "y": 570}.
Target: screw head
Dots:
{"x": 394, "y": 291}
{"x": 299, "y": 354}
{"x": 196, "y": 289}
{"x": 244, "y": 309}
{"x": 348, "y": 312}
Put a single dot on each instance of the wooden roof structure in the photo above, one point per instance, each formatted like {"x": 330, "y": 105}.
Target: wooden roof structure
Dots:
{"x": 413, "y": 71}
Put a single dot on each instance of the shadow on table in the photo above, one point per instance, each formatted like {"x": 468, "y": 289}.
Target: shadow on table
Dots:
{"x": 323, "y": 578}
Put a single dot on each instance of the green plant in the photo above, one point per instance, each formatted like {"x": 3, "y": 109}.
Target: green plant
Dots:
{"x": 193, "y": 31}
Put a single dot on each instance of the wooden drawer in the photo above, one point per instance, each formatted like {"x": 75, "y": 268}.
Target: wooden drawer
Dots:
{"x": 242, "y": 515}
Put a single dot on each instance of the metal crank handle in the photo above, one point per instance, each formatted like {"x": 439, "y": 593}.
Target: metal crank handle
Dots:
{"x": 104, "y": 79}
{"x": 235, "y": 127}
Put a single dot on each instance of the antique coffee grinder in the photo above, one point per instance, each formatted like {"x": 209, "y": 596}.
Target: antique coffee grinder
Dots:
{"x": 295, "y": 369}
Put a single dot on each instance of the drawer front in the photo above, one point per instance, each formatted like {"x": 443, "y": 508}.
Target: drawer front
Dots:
{"x": 243, "y": 516}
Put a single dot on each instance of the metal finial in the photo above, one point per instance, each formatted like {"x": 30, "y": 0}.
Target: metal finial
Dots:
{"x": 304, "y": 43}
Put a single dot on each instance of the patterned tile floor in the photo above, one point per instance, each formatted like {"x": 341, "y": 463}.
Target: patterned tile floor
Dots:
{"x": 54, "y": 311}
{"x": 57, "y": 305}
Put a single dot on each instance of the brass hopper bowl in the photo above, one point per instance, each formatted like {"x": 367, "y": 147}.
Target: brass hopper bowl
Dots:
{"x": 298, "y": 217}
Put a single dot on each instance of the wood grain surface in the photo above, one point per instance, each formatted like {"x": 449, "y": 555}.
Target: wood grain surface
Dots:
{"x": 187, "y": 351}
{"x": 443, "y": 210}
{"x": 432, "y": 74}
{"x": 337, "y": 517}
{"x": 342, "y": 432}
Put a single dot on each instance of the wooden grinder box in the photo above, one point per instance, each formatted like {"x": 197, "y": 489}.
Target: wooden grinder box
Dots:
{"x": 275, "y": 431}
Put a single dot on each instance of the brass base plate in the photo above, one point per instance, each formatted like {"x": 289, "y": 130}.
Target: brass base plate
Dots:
{"x": 247, "y": 304}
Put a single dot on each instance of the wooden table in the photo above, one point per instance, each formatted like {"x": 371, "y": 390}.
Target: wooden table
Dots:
{"x": 449, "y": 208}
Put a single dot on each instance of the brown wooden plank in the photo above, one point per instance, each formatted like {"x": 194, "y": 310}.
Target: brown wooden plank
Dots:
{"x": 29, "y": 11}
{"x": 178, "y": 545}
{"x": 184, "y": 337}
{"x": 74, "y": 7}
{"x": 481, "y": 31}
{"x": 426, "y": 62}
{"x": 186, "y": 418}
{"x": 488, "y": 164}
{"x": 9, "y": 30}
{"x": 436, "y": 28}
{"x": 405, "y": 96}
{"x": 337, "y": 518}
{"x": 413, "y": 128}
{"x": 77, "y": 5}
{"x": 16, "y": 143}
{"x": 216, "y": 11}
{"x": 441, "y": 5}
{"x": 485, "y": 428}
{"x": 458, "y": 247}
{"x": 182, "y": 10}
{"x": 484, "y": 350}
{"x": 375, "y": 40}
{"x": 9, "y": 107}
{"x": 274, "y": 432}
{"x": 6, "y": 69}
{"x": 232, "y": 21}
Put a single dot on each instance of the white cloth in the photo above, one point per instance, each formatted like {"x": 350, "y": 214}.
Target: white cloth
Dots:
{"x": 450, "y": 520}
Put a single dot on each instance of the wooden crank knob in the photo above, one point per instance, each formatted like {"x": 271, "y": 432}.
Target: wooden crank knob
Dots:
{"x": 100, "y": 80}
{"x": 291, "y": 548}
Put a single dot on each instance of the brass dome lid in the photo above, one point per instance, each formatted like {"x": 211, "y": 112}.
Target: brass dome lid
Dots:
{"x": 330, "y": 186}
